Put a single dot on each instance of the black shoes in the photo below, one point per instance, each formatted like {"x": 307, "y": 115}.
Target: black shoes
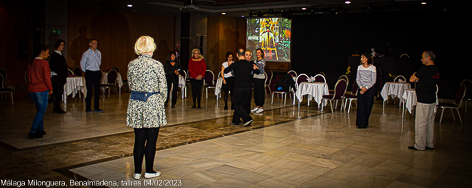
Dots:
{"x": 226, "y": 107}
{"x": 413, "y": 148}
{"x": 37, "y": 134}
{"x": 247, "y": 123}
{"x": 194, "y": 106}
{"x": 98, "y": 110}
{"x": 58, "y": 111}
{"x": 173, "y": 106}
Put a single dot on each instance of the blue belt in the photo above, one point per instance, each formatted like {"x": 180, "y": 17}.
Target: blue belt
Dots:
{"x": 141, "y": 96}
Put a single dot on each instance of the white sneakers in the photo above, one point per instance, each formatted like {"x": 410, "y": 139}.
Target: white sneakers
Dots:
{"x": 147, "y": 175}
{"x": 257, "y": 110}
{"x": 152, "y": 175}
{"x": 136, "y": 176}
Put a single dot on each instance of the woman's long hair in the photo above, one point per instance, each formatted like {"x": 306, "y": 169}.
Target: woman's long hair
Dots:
{"x": 37, "y": 51}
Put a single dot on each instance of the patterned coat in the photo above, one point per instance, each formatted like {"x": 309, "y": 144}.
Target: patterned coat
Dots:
{"x": 147, "y": 75}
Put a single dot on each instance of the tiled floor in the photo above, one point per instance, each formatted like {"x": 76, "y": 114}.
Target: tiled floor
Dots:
{"x": 285, "y": 147}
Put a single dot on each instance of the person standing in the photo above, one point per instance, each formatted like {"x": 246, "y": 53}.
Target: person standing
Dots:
{"x": 366, "y": 78}
{"x": 426, "y": 79}
{"x": 196, "y": 70}
{"x": 90, "y": 64}
{"x": 58, "y": 66}
{"x": 172, "y": 67}
{"x": 259, "y": 82}
{"x": 39, "y": 89}
{"x": 146, "y": 111}
{"x": 228, "y": 80}
{"x": 243, "y": 71}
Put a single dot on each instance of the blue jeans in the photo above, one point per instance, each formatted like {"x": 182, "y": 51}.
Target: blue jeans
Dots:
{"x": 40, "y": 99}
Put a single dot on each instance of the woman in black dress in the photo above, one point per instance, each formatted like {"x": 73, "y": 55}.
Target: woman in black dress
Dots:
{"x": 172, "y": 67}
{"x": 58, "y": 66}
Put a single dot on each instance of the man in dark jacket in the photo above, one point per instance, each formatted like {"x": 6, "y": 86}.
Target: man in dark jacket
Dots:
{"x": 243, "y": 71}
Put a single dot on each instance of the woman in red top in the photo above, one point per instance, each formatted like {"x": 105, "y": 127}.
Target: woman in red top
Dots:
{"x": 196, "y": 71}
{"x": 39, "y": 89}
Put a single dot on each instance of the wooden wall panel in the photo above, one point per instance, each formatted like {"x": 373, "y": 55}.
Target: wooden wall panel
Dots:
{"x": 116, "y": 34}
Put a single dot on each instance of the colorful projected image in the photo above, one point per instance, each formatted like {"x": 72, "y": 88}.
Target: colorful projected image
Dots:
{"x": 272, "y": 35}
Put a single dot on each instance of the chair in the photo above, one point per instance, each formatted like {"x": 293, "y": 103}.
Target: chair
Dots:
{"x": 300, "y": 78}
{"x": 4, "y": 89}
{"x": 70, "y": 72}
{"x": 111, "y": 81}
{"x": 292, "y": 72}
{"x": 77, "y": 71}
{"x": 209, "y": 81}
{"x": 26, "y": 78}
{"x": 339, "y": 91}
{"x": 184, "y": 88}
{"x": 319, "y": 78}
{"x": 399, "y": 78}
{"x": 116, "y": 68}
{"x": 456, "y": 105}
{"x": 3, "y": 72}
{"x": 351, "y": 96}
{"x": 468, "y": 95}
{"x": 268, "y": 80}
{"x": 283, "y": 93}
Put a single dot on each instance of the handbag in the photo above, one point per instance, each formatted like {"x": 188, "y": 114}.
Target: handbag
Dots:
{"x": 141, "y": 96}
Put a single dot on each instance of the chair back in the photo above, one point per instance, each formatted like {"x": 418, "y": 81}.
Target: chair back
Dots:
{"x": 460, "y": 95}
{"x": 292, "y": 73}
{"x": 112, "y": 74}
{"x": 116, "y": 68}
{"x": 340, "y": 89}
{"x": 319, "y": 78}
{"x": 209, "y": 78}
{"x": 301, "y": 78}
{"x": 70, "y": 72}
{"x": 345, "y": 78}
{"x": 468, "y": 84}
{"x": 269, "y": 76}
{"x": 354, "y": 89}
{"x": 4, "y": 74}
{"x": 77, "y": 71}
{"x": 399, "y": 78}
{"x": 1, "y": 82}
{"x": 26, "y": 78}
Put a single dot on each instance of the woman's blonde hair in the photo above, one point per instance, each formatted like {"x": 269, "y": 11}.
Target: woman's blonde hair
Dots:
{"x": 144, "y": 44}
{"x": 196, "y": 49}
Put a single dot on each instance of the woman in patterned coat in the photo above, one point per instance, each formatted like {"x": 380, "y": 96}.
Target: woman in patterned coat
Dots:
{"x": 146, "y": 76}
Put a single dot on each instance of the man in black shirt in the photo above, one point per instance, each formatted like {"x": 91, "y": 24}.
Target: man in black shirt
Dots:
{"x": 426, "y": 79}
{"x": 243, "y": 71}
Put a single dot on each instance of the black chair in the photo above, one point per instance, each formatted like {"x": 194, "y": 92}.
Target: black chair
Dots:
{"x": 468, "y": 95}
{"x": 77, "y": 71}
{"x": 209, "y": 82}
{"x": 111, "y": 82}
{"x": 456, "y": 105}
{"x": 339, "y": 91}
{"x": 351, "y": 96}
{"x": 4, "y": 89}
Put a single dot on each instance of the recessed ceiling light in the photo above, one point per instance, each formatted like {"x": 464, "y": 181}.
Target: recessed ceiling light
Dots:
{"x": 423, "y": 3}
{"x": 130, "y": 5}
{"x": 303, "y": 8}
{"x": 224, "y": 13}
{"x": 347, "y": 2}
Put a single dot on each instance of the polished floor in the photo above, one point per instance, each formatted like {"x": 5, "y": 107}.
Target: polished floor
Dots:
{"x": 284, "y": 147}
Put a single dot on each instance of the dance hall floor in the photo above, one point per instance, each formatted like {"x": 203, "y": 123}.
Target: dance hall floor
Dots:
{"x": 284, "y": 147}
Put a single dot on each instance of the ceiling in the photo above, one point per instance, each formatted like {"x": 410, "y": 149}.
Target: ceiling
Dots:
{"x": 238, "y": 8}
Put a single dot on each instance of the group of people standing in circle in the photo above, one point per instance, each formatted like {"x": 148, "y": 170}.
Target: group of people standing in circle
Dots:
{"x": 196, "y": 73}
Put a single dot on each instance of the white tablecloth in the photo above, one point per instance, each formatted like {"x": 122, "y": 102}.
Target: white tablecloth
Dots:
{"x": 119, "y": 80}
{"x": 72, "y": 86}
{"x": 394, "y": 89}
{"x": 409, "y": 96}
{"x": 219, "y": 85}
{"x": 314, "y": 90}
